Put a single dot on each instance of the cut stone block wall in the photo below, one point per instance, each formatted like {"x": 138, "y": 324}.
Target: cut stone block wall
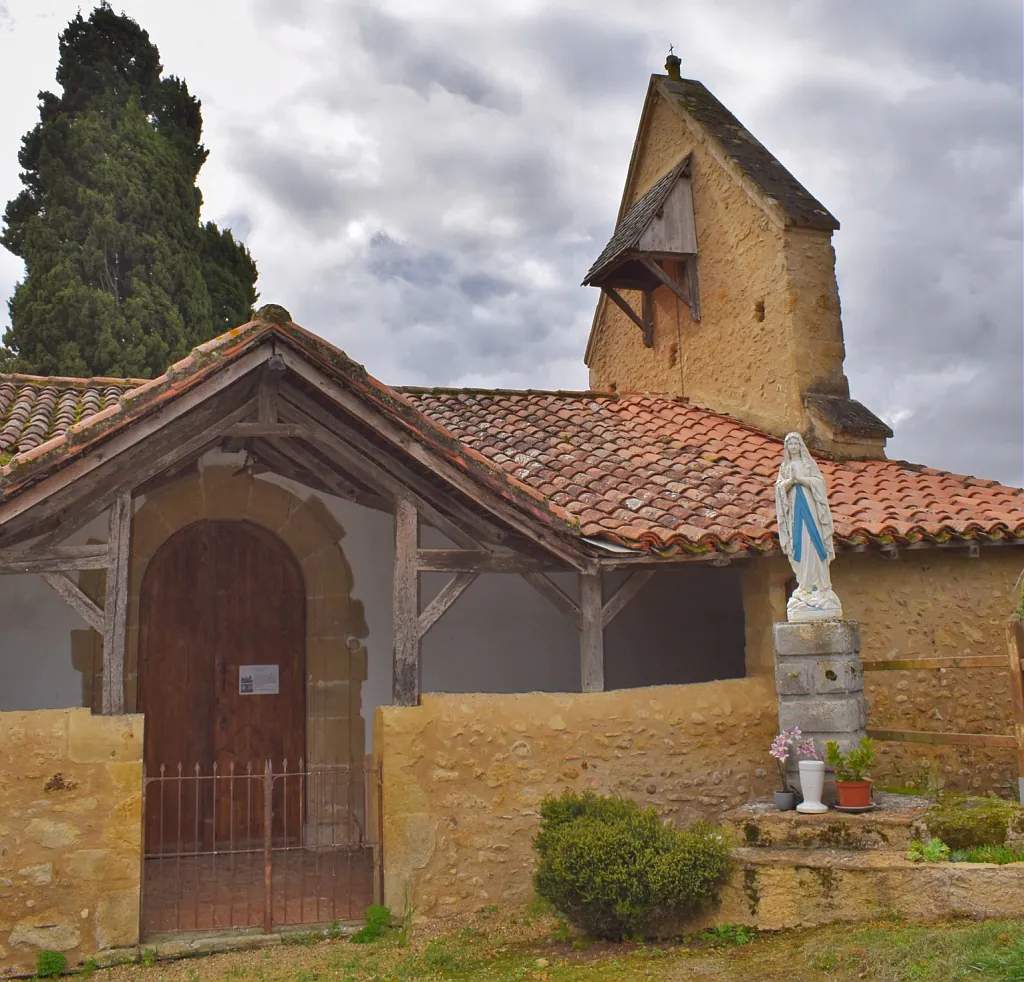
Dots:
{"x": 70, "y": 834}
{"x": 464, "y": 775}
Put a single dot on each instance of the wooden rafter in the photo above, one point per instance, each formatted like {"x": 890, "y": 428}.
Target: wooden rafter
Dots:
{"x": 476, "y": 561}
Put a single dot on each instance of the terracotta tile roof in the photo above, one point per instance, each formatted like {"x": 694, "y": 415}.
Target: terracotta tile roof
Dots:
{"x": 640, "y": 471}
{"x": 35, "y": 409}
{"x": 658, "y": 474}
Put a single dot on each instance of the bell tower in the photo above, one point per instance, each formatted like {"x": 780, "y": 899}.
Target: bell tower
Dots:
{"x": 718, "y": 284}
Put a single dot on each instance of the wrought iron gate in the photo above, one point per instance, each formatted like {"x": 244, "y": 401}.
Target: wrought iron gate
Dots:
{"x": 268, "y": 847}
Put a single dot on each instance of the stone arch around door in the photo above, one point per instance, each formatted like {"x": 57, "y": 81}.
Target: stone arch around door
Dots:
{"x": 335, "y": 621}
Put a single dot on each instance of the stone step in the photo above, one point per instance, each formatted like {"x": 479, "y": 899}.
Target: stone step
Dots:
{"x": 772, "y": 889}
{"x": 894, "y": 823}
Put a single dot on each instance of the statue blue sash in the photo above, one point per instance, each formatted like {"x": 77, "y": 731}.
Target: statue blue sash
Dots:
{"x": 802, "y": 518}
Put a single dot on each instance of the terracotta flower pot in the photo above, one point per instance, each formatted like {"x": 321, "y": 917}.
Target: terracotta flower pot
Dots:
{"x": 854, "y": 794}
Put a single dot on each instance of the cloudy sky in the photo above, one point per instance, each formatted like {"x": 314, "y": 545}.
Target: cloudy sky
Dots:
{"x": 425, "y": 182}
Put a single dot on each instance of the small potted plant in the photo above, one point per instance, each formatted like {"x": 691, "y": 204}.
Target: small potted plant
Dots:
{"x": 785, "y": 800}
{"x": 853, "y": 781}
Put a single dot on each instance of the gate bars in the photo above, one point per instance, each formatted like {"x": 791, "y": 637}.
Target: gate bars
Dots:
{"x": 267, "y": 847}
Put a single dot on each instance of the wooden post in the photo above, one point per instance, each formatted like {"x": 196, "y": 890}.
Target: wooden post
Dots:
{"x": 115, "y": 607}
{"x": 406, "y": 680}
{"x": 1015, "y": 645}
{"x": 591, "y": 633}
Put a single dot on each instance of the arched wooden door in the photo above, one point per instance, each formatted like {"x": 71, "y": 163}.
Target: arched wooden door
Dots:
{"x": 218, "y": 598}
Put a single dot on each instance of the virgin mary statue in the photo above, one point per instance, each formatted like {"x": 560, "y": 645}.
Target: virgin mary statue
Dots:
{"x": 805, "y": 533}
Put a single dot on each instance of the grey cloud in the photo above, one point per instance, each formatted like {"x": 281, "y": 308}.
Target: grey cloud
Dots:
{"x": 486, "y": 220}
{"x": 420, "y": 63}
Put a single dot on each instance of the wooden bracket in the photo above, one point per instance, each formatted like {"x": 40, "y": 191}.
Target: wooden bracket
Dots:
{"x": 634, "y": 583}
{"x": 70, "y": 592}
{"x": 555, "y": 595}
{"x": 645, "y": 321}
{"x": 665, "y": 279}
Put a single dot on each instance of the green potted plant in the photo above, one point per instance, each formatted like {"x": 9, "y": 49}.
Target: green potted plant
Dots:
{"x": 853, "y": 780}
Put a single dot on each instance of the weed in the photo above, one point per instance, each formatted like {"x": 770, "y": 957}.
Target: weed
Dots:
{"x": 148, "y": 958}
{"x": 726, "y": 935}
{"x": 1004, "y": 959}
{"x": 935, "y": 851}
{"x": 50, "y": 964}
{"x": 377, "y": 921}
{"x": 987, "y": 854}
{"x": 489, "y": 911}
{"x": 192, "y": 975}
{"x": 561, "y": 931}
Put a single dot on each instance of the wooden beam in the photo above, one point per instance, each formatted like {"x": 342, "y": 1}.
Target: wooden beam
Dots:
{"x": 73, "y": 596}
{"x": 554, "y": 594}
{"x": 666, "y": 280}
{"x": 623, "y": 305}
{"x": 647, "y": 315}
{"x": 115, "y": 607}
{"x": 963, "y": 739}
{"x": 267, "y": 395}
{"x": 591, "y": 633}
{"x": 53, "y": 560}
{"x": 916, "y": 664}
{"x": 406, "y": 678}
{"x": 693, "y": 286}
{"x": 476, "y": 561}
{"x": 633, "y": 585}
{"x": 248, "y": 430}
{"x": 448, "y": 594}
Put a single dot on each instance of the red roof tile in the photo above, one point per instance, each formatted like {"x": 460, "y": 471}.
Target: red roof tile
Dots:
{"x": 657, "y": 474}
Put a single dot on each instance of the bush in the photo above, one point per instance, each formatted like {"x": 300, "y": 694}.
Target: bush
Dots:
{"x": 962, "y": 821}
{"x": 50, "y": 964}
{"x": 615, "y": 871}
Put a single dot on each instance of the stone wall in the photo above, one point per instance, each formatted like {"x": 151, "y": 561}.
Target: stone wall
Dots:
{"x": 70, "y": 834}
{"x": 464, "y": 775}
{"x": 936, "y": 603}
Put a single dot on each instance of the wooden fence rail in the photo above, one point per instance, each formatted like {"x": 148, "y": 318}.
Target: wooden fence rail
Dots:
{"x": 1015, "y": 664}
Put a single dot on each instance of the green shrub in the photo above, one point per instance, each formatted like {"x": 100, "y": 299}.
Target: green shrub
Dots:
{"x": 376, "y": 921}
{"x": 935, "y": 851}
{"x": 50, "y": 964}
{"x": 615, "y": 871}
{"x": 962, "y": 821}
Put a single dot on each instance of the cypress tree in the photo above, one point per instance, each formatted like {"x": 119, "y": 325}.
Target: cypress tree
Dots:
{"x": 122, "y": 278}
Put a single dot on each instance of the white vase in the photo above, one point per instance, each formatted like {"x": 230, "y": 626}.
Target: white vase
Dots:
{"x": 812, "y": 783}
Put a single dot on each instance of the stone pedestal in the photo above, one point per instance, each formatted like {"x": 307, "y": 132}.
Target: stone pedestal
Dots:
{"x": 820, "y": 682}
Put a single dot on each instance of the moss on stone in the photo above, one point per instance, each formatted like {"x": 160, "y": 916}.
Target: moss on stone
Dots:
{"x": 273, "y": 313}
{"x": 963, "y": 821}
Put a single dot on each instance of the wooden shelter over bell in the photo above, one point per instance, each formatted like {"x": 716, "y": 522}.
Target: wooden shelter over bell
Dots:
{"x": 654, "y": 245}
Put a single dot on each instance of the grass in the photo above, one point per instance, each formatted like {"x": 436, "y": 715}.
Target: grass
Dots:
{"x": 987, "y": 854}
{"x": 518, "y": 946}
